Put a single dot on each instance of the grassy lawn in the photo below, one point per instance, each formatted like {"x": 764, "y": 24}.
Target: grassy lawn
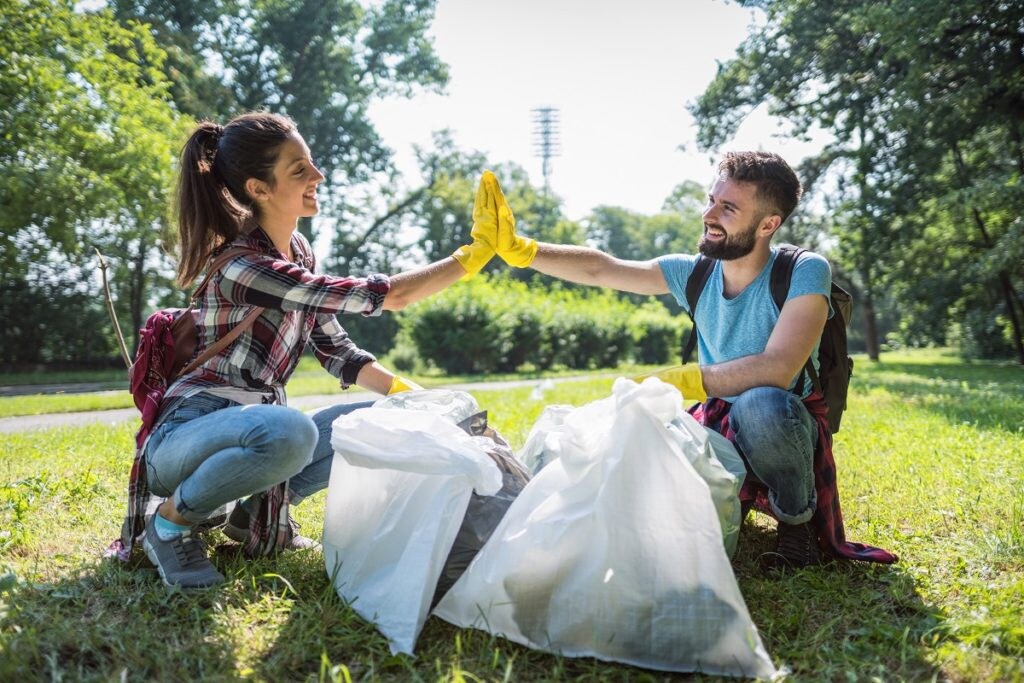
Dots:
{"x": 309, "y": 379}
{"x": 931, "y": 466}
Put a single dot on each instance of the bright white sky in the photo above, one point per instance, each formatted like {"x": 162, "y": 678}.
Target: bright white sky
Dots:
{"x": 620, "y": 71}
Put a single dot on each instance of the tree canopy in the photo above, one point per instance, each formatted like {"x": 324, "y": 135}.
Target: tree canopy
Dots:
{"x": 925, "y": 102}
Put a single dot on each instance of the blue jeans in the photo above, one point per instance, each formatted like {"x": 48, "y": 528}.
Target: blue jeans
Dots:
{"x": 776, "y": 435}
{"x": 210, "y": 451}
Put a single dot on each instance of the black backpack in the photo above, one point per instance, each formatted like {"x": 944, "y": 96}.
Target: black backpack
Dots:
{"x": 832, "y": 379}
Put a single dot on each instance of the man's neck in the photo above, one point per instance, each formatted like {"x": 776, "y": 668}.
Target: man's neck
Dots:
{"x": 737, "y": 274}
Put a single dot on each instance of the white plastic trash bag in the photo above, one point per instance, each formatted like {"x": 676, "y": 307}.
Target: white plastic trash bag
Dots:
{"x": 401, "y": 479}
{"x": 713, "y": 457}
{"x": 614, "y": 549}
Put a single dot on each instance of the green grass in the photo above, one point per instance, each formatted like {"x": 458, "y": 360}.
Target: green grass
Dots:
{"x": 309, "y": 379}
{"x": 931, "y": 466}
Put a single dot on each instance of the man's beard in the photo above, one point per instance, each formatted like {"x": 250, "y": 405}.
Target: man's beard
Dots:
{"x": 732, "y": 247}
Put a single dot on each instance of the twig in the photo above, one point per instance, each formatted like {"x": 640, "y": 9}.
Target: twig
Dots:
{"x": 110, "y": 309}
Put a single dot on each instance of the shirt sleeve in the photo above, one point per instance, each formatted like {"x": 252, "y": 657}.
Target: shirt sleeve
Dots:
{"x": 336, "y": 351}
{"x": 262, "y": 280}
{"x": 812, "y": 274}
{"x": 676, "y": 268}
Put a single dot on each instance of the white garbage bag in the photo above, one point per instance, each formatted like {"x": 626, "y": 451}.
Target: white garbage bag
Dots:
{"x": 614, "y": 549}
{"x": 402, "y": 476}
{"x": 712, "y": 455}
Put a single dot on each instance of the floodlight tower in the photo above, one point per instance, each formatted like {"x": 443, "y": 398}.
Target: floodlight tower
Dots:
{"x": 545, "y": 140}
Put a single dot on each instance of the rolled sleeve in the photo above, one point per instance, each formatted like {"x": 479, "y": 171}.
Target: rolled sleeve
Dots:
{"x": 336, "y": 351}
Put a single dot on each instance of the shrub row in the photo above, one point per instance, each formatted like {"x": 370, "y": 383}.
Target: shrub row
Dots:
{"x": 498, "y": 324}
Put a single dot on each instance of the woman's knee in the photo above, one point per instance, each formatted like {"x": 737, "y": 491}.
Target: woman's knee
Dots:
{"x": 284, "y": 433}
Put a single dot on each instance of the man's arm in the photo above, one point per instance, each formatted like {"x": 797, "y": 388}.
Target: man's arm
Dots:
{"x": 799, "y": 327}
{"x": 588, "y": 266}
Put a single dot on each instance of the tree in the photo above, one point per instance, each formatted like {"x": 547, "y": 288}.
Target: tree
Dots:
{"x": 912, "y": 91}
{"x": 322, "y": 62}
{"x": 86, "y": 149}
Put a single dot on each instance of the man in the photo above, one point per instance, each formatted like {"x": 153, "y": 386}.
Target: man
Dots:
{"x": 750, "y": 354}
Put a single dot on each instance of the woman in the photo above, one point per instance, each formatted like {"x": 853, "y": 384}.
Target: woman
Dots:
{"x": 223, "y": 432}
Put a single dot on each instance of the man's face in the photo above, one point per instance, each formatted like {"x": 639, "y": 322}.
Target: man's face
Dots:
{"x": 731, "y": 219}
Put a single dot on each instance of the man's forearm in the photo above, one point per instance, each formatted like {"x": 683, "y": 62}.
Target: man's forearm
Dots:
{"x": 582, "y": 265}
{"x": 588, "y": 266}
{"x": 733, "y": 377}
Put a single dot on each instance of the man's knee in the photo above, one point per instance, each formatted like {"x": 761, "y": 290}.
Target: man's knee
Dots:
{"x": 764, "y": 408}
{"x": 770, "y": 422}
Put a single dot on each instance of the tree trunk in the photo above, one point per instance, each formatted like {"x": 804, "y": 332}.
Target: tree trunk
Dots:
{"x": 1011, "y": 309}
{"x": 1005, "y": 283}
{"x": 136, "y": 292}
{"x": 871, "y": 326}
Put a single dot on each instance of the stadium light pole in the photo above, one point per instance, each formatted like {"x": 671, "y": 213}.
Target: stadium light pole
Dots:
{"x": 545, "y": 140}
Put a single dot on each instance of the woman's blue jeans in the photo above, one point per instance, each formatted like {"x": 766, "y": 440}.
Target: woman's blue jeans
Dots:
{"x": 210, "y": 451}
{"x": 776, "y": 435}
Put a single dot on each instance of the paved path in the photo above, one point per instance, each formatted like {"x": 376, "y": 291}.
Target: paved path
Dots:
{"x": 32, "y": 422}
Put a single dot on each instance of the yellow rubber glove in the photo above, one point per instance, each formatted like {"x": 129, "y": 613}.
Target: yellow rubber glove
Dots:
{"x": 398, "y": 385}
{"x": 515, "y": 250}
{"x": 686, "y": 378}
{"x": 473, "y": 257}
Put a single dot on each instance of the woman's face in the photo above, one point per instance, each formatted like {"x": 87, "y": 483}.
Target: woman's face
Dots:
{"x": 293, "y": 194}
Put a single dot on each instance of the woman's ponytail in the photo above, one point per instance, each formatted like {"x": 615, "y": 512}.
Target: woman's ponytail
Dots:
{"x": 212, "y": 203}
{"x": 206, "y": 214}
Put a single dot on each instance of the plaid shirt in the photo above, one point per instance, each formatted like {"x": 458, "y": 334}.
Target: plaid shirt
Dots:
{"x": 828, "y": 518}
{"x": 300, "y": 308}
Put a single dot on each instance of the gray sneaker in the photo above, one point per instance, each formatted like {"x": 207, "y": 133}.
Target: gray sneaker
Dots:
{"x": 182, "y": 560}
{"x": 237, "y": 529}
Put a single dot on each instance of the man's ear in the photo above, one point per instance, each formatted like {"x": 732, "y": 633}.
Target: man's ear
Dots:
{"x": 257, "y": 189}
{"x": 769, "y": 224}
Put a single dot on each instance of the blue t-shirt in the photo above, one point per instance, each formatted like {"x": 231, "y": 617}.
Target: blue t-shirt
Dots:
{"x": 733, "y": 328}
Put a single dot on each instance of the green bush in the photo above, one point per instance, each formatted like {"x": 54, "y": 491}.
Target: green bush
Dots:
{"x": 499, "y": 324}
{"x": 458, "y": 330}
{"x": 657, "y": 334}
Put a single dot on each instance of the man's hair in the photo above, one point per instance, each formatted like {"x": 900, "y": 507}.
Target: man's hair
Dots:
{"x": 778, "y": 188}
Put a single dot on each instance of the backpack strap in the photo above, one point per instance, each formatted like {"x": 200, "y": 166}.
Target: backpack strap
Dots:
{"x": 695, "y": 284}
{"x": 235, "y": 331}
{"x": 782, "y": 276}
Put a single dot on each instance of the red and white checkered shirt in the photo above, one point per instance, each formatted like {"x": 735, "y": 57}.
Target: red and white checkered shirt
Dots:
{"x": 300, "y": 308}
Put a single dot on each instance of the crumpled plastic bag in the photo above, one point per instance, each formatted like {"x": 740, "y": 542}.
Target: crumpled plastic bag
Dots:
{"x": 712, "y": 455}
{"x": 614, "y": 549}
{"x": 484, "y": 513}
{"x": 402, "y": 477}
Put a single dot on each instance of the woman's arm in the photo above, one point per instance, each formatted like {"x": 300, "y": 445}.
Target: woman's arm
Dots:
{"x": 412, "y": 285}
{"x": 376, "y": 377}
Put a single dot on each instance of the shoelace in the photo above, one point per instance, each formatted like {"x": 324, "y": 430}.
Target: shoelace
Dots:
{"x": 189, "y": 550}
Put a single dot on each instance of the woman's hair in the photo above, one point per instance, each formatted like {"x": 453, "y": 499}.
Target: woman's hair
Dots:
{"x": 212, "y": 202}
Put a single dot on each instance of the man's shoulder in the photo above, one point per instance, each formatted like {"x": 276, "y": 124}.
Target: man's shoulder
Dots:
{"x": 807, "y": 260}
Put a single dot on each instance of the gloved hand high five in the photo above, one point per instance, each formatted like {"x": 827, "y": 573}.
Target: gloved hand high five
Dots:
{"x": 515, "y": 250}
{"x": 473, "y": 257}
{"x": 686, "y": 378}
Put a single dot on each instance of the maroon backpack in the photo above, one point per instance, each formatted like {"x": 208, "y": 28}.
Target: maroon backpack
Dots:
{"x": 167, "y": 343}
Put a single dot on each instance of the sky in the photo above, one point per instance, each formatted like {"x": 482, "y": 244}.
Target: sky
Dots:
{"x": 620, "y": 72}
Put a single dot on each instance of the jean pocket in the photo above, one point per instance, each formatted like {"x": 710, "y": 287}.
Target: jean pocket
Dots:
{"x": 196, "y": 406}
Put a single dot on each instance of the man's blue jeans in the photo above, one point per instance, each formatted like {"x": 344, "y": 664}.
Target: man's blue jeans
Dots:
{"x": 210, "y": 451}
{"x": 776, "y": 435}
